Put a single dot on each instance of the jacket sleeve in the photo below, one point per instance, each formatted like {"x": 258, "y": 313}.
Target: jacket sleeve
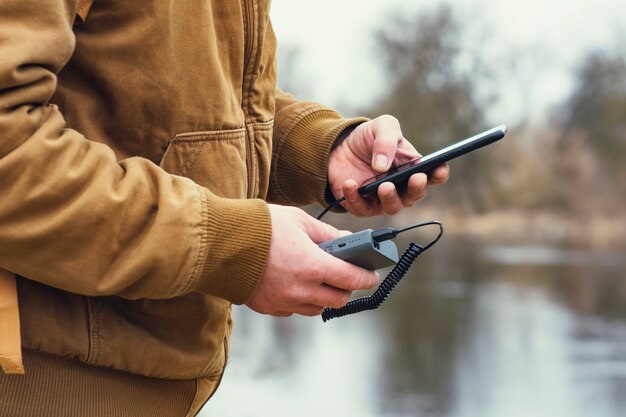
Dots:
{"x": 304, "y": 135}
{"x": 73, "y": 217}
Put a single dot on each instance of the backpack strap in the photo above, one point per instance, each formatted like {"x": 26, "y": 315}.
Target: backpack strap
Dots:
{"x": 10, "y": 339}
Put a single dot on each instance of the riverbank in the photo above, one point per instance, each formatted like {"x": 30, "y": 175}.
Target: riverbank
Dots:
{"x": 511, "y": 226}
{"x": 506, "y": 226}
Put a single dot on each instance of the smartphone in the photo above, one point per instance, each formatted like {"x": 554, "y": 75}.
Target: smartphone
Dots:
{"x": 400, "y": 174}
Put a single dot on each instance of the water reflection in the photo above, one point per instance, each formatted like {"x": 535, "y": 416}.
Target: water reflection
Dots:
{"x": 474, "y": 331}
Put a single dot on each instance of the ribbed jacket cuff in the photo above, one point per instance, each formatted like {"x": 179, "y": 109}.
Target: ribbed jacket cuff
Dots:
{"x": 302, "y": 160}
{"x": 234, "y": 247}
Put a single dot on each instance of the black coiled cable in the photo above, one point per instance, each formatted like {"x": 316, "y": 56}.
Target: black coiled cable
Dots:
{"x": 382, "y": 292}
{"x": 391, "y": 280}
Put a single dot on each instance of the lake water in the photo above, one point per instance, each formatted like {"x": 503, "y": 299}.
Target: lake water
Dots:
{"x": 471, "y": 331}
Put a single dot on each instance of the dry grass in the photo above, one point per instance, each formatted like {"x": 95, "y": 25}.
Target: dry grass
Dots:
{"x": 517, "y": 226}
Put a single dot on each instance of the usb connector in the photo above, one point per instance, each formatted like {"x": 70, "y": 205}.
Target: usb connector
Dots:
{"x": 386, "y": 233}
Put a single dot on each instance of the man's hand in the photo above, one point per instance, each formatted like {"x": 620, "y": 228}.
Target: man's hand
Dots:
{"x": 300, "y": 277}
{"x": 370, "y": 149}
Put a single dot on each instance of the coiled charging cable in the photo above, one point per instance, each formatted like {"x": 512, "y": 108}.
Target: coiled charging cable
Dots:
{"x": 392, "y": 279}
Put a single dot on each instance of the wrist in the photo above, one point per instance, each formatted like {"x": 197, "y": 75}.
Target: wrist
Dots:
{"x": 344, "y": 135}
{"x": 301, "y": 163}
{"x": 331, "y": 200}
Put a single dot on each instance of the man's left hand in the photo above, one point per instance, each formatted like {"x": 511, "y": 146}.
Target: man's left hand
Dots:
{"x": 373, "y": 148}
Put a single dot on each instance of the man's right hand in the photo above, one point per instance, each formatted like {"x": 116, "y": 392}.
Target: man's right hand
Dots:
{"x": 300, "y": 277}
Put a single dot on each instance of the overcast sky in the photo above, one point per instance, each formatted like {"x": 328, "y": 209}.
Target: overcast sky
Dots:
{"x": 337, "y": 60}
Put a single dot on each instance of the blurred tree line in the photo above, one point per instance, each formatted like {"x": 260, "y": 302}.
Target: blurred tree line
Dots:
{"x": 573, "y": 164}
{"x": 434, "y": 100}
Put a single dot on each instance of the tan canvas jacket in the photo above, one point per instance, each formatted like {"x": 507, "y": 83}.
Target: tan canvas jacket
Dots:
{"x": 138, "y": 142}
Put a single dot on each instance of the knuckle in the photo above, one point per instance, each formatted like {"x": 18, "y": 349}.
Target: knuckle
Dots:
{"x": 393, "y": 207}
{"x": 370, "y": 280}
{"x": 419, "y": 194}
{"x": 388, "y": 118}
{"x": 319, "y": 271}
{"x": 299, "y": 214}
{"x": 295, "y": 295}
{"x": 358, "y": 283}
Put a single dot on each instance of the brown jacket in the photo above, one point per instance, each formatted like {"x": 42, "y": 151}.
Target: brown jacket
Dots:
{"x": 138, "y": 142}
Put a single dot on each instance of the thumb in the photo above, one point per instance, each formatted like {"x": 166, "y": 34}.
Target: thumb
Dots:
{"x": 387, "y": 134}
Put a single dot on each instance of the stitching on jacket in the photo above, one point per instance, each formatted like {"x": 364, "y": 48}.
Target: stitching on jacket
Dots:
{"x": 204, "y": 241}
{"x": 191, "y": 160}
{"x": 93, "y": 306}
{"x": 222, "y": 351}
{"x": 254, "y": 170}
{"x": 202, "y": 138}
{"x": 264, "y": 126}
{"x": 209, "y": 135}
{"x": 251, "y": 160}
{"x": 256, "y": 56}
{"x": 83, "y": 8}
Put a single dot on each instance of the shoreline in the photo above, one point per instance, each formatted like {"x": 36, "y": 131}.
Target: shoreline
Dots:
{"x": 504, "y": 226}
{"x": 545, "y": 227}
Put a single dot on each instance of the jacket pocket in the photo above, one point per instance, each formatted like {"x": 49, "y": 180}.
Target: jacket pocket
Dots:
{"x": 178, "y": 338}
{"x": 213, "y": 159}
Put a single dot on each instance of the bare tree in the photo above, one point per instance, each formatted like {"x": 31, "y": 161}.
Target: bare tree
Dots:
{"x": 427, "y": 90}
{"x": 597, "y": 107}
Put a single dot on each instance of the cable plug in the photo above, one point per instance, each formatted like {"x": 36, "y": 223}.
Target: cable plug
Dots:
{"x": 386, "y": 233}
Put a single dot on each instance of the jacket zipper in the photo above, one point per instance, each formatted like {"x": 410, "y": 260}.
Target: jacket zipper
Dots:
{"x": 248, "y": 28}
{"x": 248, "y": 13}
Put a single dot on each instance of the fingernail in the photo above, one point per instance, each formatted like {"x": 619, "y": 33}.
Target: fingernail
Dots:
{"x": 380, "y": 162}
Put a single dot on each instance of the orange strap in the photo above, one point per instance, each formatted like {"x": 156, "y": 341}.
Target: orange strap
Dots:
{"x": 84, "y": 6}
{"x": 10, "y": 340}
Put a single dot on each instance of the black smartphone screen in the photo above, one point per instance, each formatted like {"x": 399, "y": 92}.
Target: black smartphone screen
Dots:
{"x": 400, "y": 175}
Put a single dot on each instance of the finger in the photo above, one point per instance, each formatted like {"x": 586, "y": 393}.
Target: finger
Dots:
{"x": 345, "y": 276}
{"x": 406, "y": 152}
{"x": 387, "y": 136}
{"x": 319, "y": 231}
{"x": 389, "y": 199}
{"x": 416, "y": 189}
{"x": 308, "y": 310}
{"x": 328, "y": 296}
{"x": 302, "y": 309}
{"x": 282, "y": 314}
{"x": 439, "y": 175}
{"x": 316, "y": 292}
{"x": 355, "y": 203}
